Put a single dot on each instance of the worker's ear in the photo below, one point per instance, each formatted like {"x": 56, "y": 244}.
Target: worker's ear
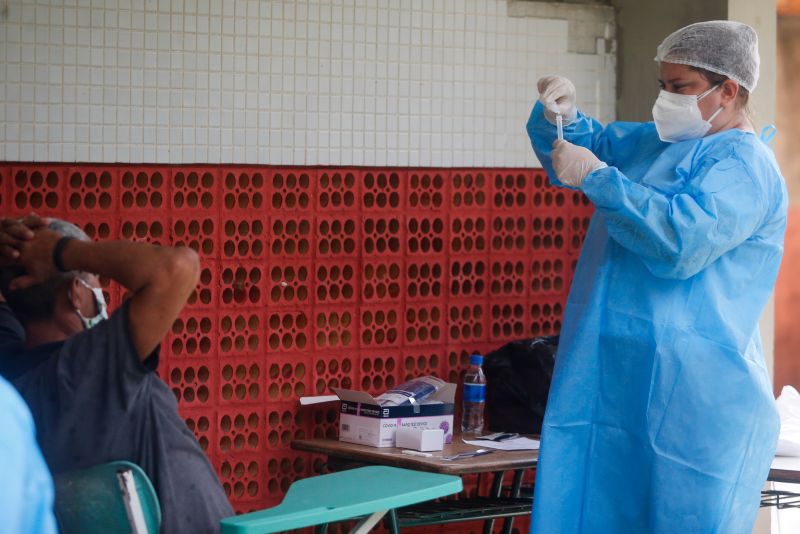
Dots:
{"x": 728, "y": 92}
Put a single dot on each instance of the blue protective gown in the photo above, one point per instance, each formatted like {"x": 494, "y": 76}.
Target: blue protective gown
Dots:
{"x": 26, "y": 489}
{"x": 661, "y": 416}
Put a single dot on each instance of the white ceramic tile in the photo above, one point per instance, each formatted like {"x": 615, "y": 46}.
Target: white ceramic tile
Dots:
{"x": 412, "y": 82}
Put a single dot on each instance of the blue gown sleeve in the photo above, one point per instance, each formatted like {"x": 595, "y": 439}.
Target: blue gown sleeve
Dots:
{"x": 610, "y": 144}
{"x": 677, "y": 236}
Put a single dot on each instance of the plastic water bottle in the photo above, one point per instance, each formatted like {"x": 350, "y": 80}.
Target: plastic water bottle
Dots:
{"x": 474, "y": 398}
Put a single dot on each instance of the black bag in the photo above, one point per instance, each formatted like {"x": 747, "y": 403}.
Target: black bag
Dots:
{"x": 517, "y": 383}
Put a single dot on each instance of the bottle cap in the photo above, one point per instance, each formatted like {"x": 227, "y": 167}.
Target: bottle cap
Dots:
{"x": 476, "y": 359}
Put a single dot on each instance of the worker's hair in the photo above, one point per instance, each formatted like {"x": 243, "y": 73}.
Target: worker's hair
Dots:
{"x": 742, "y": 97}
{"x": 37, "y": 303}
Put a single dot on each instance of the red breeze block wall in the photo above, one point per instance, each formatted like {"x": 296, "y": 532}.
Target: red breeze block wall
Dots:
{"x": 319, "y": 277}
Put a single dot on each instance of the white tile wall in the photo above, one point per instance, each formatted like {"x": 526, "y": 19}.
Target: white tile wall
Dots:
{"x": 340, "y": 82}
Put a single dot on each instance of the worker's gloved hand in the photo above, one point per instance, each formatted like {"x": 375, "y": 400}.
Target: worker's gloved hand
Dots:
{"x": 557, "y": 95}
{"x": 573, "y": 163}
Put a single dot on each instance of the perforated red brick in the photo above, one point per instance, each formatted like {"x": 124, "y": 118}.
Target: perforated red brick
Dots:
{"x": 469, "y": 235}
{"x": 92, "y": 189}
{"x": 508, "y": 320}
{"x": 548, "y": 233}
{"x": 293, "y": 189}
{"x": 289, "y": 284}
{"x": 195, "y": 188}
{"x": 98, "y": 227}
{"x": 192, "y": 382}
{"x": 423, "y": 362}
{"x": 285, "y": 423}
{"x": 240, "y": 430}
{"x": 467, "y": 321}
{"x": 579, "y": 200}
{"x": 425, "y": 278}
{"x": 241, "y": 332}
{"x": 335, "y": 328}
{"x": 242, "y": 284}
{"x": 288, "y": 331}
{"x": 509, "y": 277}
{"x": 243, "y": 477}
{"x": 336, "y": 237}
{"x": 325, "y": 421}
{"x": 287, "y": 377}
{"x": 291, "y": 237}
{"x": 143, "y": 228}
{"x": 334, "y": 372}
{"x": 427, "y": 189}
{"x": 244, "y": 189}
{"x": 37, "y": 188}
{"x": 510, "y": 190}
{"x": 425, "y": 234}
{"x": 579, "y": 225}
{"x": 144, "y": 189}
{"x": 282, "y": 470}
{"x": 469, "y": 190}
{"x": 202, "y": 423}
{"x": 193, "y": 334}
{"x": 241, "y": 380}
{"x": 338, "y": 190}
{"x": 379, "y": 371}
{"x": 382, "y": 189}
{"x": 545, "y": 316}
{"x": 380, "y": 326}
{"x": 381, "y": 235}
{"x": 547, "y": 275}
{"x": 336, "y": 282}
{"x": 509, "y": 234}
{"x": 206, "y": 293}
{"x": 469, "y": 278}
{"x": 381, "y": 280}
{"x": 424, "y": 324}
{"x": 245, "y": 237}
{"x": 197, "y": 232}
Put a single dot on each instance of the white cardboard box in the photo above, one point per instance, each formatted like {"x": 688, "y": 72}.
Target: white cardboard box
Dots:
{"x": 363, "y": 420}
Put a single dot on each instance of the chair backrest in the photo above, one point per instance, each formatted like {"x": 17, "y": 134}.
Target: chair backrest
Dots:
{"x": 114, "y": 497}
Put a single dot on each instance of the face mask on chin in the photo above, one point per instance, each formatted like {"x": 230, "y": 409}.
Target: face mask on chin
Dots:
{"x": 100, "y": 302}
{"x": 678, "y": 117}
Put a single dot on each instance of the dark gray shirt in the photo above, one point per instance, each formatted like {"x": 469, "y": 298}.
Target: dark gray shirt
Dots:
{"x": 94, "y": 401}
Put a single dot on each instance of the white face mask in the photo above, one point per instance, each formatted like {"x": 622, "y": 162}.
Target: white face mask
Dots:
{"x": 678, "y": 117}
{"x": 100, "y": 302}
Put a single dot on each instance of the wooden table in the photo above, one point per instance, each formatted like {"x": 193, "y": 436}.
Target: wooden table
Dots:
{"x": 496, "y": 461}
{"x": 488, "y": 508}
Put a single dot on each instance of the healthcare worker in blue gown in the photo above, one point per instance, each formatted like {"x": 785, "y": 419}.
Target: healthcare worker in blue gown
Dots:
{"x": 661, "y": 417}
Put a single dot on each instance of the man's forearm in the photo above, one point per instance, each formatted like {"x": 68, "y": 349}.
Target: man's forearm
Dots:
{"x": 132, "y": 264}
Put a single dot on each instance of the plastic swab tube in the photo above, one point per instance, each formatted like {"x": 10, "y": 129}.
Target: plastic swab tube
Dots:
{"x": 560, "y": 126}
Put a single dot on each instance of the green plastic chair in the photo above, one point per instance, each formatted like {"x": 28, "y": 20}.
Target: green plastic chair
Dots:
{"x": 367, "y": 491}
{"x": 118, "y": 497}
{"x": 113, "y": 497}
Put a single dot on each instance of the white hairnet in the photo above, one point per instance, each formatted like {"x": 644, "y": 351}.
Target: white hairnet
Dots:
{"x": 722, "y": 46}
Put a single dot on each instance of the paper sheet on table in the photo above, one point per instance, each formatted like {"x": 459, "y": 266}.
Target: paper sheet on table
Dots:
{"x": 516, "y": 444}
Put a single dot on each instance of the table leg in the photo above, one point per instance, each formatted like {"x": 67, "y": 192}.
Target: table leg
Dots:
{"x": 515, "y": 487}
{"x": 394, "y": 526}
{"x": 366, "y": 524}
{"x": 497, "y": 488}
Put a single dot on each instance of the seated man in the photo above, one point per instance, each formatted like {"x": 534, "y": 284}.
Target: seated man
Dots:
{"x": 90, "y": 382}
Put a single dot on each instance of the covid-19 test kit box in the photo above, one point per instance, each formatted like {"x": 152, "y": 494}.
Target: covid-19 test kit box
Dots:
{"x": 363, "y": 420}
